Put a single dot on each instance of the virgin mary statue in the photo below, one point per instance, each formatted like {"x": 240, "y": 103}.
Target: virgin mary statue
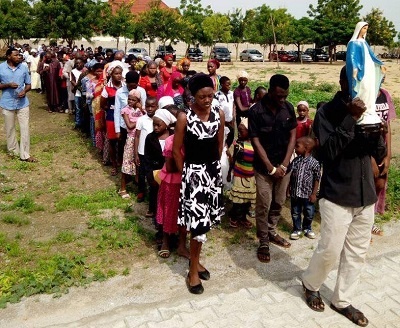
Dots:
{"x": 364, "y": 73}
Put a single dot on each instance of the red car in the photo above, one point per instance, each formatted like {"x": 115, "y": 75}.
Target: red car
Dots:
{"x": 283, "y": 56}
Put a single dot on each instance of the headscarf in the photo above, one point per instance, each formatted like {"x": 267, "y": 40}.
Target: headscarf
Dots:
{"x": 242, "y": 74}
{"x": 165, "y": 115}
{"x": 304, "y": 103}
{"x": 357, "y": 30}
{"x": 168, "y": 57}
{"x": 165, "y": 101}
{"x": 147, "y": 59}
{"x": 168, "y": 87}
{"x": 135, "y": 93}
{"x": 200, "y": 81}
{"x": 215, "y": 62}
{"x": 157, "y": 61}
{"x": 111, "y": 67}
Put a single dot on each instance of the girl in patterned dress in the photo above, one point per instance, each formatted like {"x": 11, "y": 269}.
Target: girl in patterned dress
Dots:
{"x": 201, "y": 132}
{"x": 130, "y": 113}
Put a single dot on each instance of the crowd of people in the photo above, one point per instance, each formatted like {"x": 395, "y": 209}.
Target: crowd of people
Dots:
{"x": 171, "y": 131}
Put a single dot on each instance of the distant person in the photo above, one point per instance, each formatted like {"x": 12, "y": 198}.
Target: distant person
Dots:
{"x": 212, "y": 66}
{"x": 386, "y": 111}
{"x": 242, "y": 95}
{"x": 304, "y": 122}
{"x": 15, "y": 82}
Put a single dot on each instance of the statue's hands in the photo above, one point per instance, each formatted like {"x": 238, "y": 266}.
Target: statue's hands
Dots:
{"x": 356, "y": 108}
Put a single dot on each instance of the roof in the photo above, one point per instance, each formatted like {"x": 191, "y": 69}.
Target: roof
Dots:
{"x": 138, "y": 6}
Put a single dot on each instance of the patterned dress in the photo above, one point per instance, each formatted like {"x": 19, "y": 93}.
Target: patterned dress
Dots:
{"x": 201, "y": 204}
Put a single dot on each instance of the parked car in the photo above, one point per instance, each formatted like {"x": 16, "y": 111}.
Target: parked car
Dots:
{"x": 137, "y": 51}
{"x": 163, "y": 51}
{"x": 304, "y": 57}
{"x": 283, "y": 56}
{"x": 251, "y": 55}
{"x": 222, "y": 54}
{"x": 195, "y": 54}
{"x": 317, "y": 54}
{"x": 341, "y": 55}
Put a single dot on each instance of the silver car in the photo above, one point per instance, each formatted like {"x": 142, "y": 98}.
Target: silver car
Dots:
{"x": 137, "y": 51}
{"x": 251, "y": 55}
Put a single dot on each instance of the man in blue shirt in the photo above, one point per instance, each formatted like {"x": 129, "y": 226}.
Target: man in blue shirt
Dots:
{"x": 15, "y": 82}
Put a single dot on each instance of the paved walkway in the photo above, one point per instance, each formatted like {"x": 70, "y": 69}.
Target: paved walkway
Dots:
{"x": 246, "y": 294}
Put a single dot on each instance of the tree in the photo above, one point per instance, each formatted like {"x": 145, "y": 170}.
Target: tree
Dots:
{"x": 300, "y": 32}
{"x": 164, "y": 24}
{"x": 334, "y": 21}
{"x": 237, "y": 28}
{"x": 193, "y": 15}
{"x": 380, "y": 30}
{"x": 15, "y": 20}
{"x": 119, "y": 23}
{"x": 265, "y": 25}
{"x": 217, "y": 28}
{"x": 69, "y": 19}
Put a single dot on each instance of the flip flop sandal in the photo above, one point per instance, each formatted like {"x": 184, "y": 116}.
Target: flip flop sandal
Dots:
{"x": 351, "y": 313}
{"x": 263, "y": 253}
{"x": 233, "y": 224}
{"x": 164, "y": 253}
{"x": 246, "y": 224}
{"x": 124, "y": 194}
{"x": 313, "y": 300}
{"x": 376, "y": 231}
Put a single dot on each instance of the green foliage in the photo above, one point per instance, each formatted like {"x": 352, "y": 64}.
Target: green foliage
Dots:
{"x": 164, "y": 24}
{"x": 12, "y": 218}
{"x": 266, "y": 26}
{"x": 334, "y": 20}
{"x": 69, "y": 19}
{"x": 393, "y": 190}
{"x": 15, "y": 20}
{"x": 24, "y": 203}
{"x": 380, "y": 30}
{"x": 217, "y": 28}
{"x": 102, "y": 199}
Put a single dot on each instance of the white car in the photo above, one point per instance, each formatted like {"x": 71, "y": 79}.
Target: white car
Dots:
{"x": 251, "y": 55}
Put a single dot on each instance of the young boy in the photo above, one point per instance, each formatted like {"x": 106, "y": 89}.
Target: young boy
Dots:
{"x": 144, "y": 126}
{"x": 304, "y": 182}
{"x": 226, "y": 102}
{"x": 304, "y": 123}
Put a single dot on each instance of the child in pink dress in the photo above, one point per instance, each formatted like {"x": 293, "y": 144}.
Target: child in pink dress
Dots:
{"x": 130, "y": 113}
{"x": 168, "y": 196}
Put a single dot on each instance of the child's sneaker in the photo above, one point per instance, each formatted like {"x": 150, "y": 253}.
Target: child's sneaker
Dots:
{"x": 309, "y": 233}
{"x": 295, "y": 235}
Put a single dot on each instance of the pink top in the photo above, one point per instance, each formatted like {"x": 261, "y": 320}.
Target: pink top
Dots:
{"x": 169, "y": 177}
{"x": 133, "y": 115}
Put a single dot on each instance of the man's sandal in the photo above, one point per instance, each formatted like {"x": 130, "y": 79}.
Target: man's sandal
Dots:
{"x": 313, "y": 300}
{"x": 376, "y": 231}
{"x": 278, "y": 240}
{"x": 164, "y": 253}
{"x": 263, "y": 253}
{"x": 351, "y": 313}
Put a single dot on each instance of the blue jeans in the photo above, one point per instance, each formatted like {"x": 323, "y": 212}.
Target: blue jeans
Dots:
{"x": 297, "y": 206}
{"x": 78, "y": 112}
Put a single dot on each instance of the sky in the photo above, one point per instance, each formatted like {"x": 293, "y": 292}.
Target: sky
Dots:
{"x": 298, "y": 8}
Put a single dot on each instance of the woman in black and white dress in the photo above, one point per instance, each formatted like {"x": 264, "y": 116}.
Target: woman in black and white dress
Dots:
{"x": 200, "y": 132}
